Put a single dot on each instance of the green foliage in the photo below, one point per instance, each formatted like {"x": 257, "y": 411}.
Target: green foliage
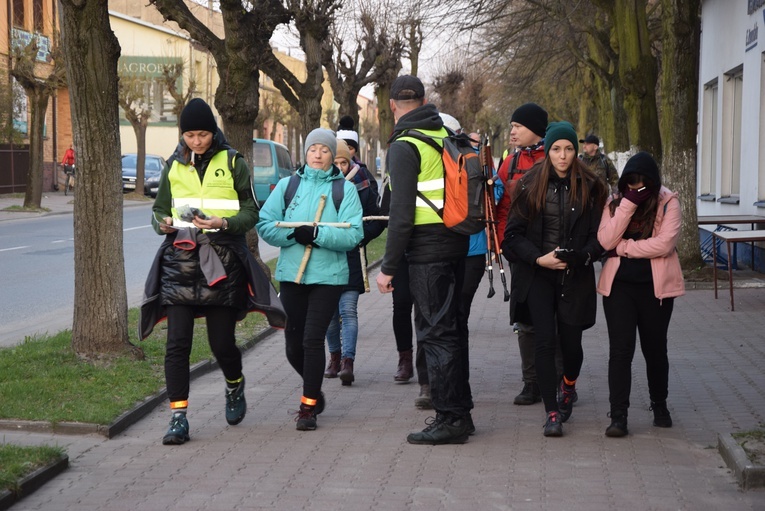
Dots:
{"x": 753, "y": 443}
{"x": 17, "y": 462}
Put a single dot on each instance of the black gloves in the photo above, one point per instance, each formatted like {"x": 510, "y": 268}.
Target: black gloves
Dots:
{"x": 611, "y": 253}
{"x": 574, "y": 257}
{"x": 637, "y": 197}
{"x": 305, "y": 234}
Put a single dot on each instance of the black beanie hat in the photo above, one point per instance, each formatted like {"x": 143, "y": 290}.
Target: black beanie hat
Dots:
{"x": 641, "y": 163}
{"x": 533, "y": 116}
{"x": 197, "y": 115}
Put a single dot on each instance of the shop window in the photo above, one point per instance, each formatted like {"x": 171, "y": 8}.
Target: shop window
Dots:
{"x": 708, "y": 184}
{"x": 730, "y": 185}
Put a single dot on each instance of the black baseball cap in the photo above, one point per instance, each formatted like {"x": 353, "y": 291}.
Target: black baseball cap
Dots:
{"x": 590, "y": 139}
{"x": 407, "y": 87}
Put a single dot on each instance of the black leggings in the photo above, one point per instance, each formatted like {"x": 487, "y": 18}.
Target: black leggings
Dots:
{"x": 221, "y": 323}
{"x": 632, "y": 309}
{"x": 309, "y": 310}
{"x": 542, "y": 302}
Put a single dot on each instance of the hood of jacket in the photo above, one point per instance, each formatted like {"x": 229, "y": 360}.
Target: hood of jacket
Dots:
{"x": 424, "y": 117}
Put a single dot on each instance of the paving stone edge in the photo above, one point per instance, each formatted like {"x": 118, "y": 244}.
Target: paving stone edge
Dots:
{"x": 33, "y": 481}
{"x": 749, "y": 476}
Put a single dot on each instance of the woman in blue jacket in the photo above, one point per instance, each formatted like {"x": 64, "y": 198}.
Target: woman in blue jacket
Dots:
{"x": 311, "y": 299}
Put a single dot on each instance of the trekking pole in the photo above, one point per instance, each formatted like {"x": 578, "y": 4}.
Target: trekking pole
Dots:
{"x": 488, "y": 217}
{"x": 492, "y": 223}
{"x": 308, "y": 248}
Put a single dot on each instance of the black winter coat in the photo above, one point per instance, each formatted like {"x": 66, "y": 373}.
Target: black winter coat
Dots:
{"x": 526, "y": 240}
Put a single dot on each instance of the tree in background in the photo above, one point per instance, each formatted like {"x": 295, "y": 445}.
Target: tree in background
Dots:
{"x": 312, "y": 19}
{"x": 133, "y": 98}
{"x": 171, "y": 77}
{"x": 28, "y": 72}
{"x": 90, "y": 50}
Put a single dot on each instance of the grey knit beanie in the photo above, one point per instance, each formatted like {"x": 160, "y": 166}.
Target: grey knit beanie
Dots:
{"x": 324, "y": 137}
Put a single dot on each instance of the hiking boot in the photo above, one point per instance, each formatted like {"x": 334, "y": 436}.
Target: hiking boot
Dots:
{"x": 333, "y": 367}
{"x": 320, "y": 403}
{"x": 405, "y": 370}
{"x": 178, "y": 433}
{"x": 236, "y": 405}
{"x": 618, "y": 426}
{"x": 553, "y": 426}
{"x": 346, "y": 371}
{"x": 661, "y": 417}
{"x": 423, "y": 401}
{"x": 566, "y": 401}
{"x": 306, "y": 418}
{"x": 529, "y": 395}
{"x": 470, "y": 426}
{"x": 443, "y": 429}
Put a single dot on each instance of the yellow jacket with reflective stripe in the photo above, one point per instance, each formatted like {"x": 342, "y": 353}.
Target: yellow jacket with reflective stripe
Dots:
{"x": 430, "y": 181}
{"x": 215, "y": 195}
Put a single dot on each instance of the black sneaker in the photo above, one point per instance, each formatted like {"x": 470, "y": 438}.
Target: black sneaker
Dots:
{"x": 567, "y": 395}
{"x": 470, "y": 426}
{"x": 179, "y": 430}
{"x": 442, "y": 429}
{"x": 553, "y": 426}
{"x": 529, "y": 395}
{"x": 320, "y": 403}
{"x": 661, "y": 417}
{"x": 236, "y": 405}
{"x": 306, "y": 418}
{"x": 618, "y": 426}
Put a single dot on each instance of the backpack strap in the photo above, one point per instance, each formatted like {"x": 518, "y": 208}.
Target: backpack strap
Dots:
{"x": 338, "y": 191}
{"x": 432, "y": 143}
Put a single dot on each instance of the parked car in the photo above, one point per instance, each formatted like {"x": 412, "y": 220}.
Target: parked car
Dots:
{"x": 152, "y": 170}
{"x": 271, "y": 161}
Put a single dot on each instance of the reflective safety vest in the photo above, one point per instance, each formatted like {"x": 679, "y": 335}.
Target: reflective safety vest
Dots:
{"x": 215, "y": 195}
{"x": 430, "y": 181}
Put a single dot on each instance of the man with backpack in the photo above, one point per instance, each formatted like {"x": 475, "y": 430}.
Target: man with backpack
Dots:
{"x": 599, "y": 162}
{"x": 435, "y": 255}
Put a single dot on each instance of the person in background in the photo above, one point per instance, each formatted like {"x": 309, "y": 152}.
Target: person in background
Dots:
{"x": 599, "y": 162}
{"x": 311, "y": 297}
{"x": 346, "y": 133}
{"x": 529, "y": 122}
{"x": 551, "y": 235}
{"x": 342, "y": 348}
{"x": 204, "y": 207}
{"x": 436, "y": 260}
{"x": 640, "y": 279}
{"x": 68, "y": 161}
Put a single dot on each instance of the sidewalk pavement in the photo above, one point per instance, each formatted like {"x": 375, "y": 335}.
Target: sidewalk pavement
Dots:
{"x": 358, "y": 458}
{"x": 56, "y": 203}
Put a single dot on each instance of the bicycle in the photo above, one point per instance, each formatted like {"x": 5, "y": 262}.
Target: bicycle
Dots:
{"x": 69, "y": 181}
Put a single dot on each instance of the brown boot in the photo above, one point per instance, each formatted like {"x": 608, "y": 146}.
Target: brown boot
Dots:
{"x": 346, "y": 371}
{"x": 423, "y": 401}
{"x": 333, "y": 367}
{"x": 405, "y": 371}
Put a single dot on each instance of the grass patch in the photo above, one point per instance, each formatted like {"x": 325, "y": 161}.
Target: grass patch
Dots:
{"x": 21, "y": 209}
{"x": 17, "y": 462}
{"x": 42, "y": 378}
{"x": 753, "y": 443}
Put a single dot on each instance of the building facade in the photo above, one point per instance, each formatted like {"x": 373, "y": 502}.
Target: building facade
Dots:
{"x": 731, "y": 136}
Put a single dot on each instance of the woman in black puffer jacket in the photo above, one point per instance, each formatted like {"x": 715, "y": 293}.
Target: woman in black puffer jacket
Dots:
{"x": 551, "y": 237}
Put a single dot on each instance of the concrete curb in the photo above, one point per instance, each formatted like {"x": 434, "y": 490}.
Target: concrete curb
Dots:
{"x": 749, "y": 476}
{"x": 33, "y": 481}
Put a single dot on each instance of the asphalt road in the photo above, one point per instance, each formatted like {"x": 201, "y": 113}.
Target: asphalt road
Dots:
{"x": 37, "y": 261}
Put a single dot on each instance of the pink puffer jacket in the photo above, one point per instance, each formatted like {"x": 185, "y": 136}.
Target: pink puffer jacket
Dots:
{"x": 659, "y": 248}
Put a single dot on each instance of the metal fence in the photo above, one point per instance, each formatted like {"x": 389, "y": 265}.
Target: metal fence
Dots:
{"x": 14, "y": 166}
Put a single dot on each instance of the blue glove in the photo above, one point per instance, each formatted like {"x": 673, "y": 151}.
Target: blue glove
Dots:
{"x": 499, "y": 189}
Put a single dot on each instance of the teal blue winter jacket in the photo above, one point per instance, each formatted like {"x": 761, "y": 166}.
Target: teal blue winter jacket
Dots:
{"x": 328, "y": 263}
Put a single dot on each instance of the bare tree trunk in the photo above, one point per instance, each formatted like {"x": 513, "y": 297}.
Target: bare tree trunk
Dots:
{"x": 680, "y": 48}
{"x": 38, "y": 100}
{"x": 637, "y": 73}
{"x": 100, "y": 299}
{"x": 140, "y": 161}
